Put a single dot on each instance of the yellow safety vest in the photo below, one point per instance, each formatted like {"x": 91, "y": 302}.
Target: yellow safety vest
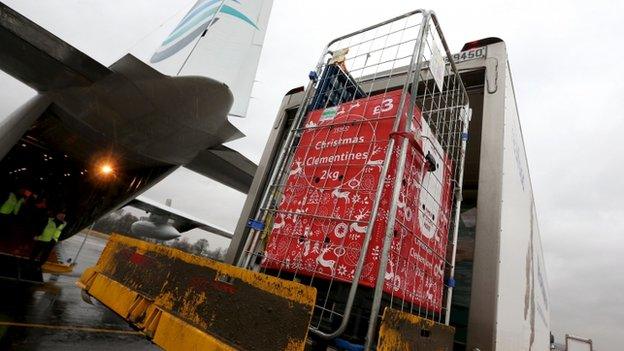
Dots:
{"x": 12, "y": 205}
{"x": 57, "y": 232}
{"x": 49, "y": 231}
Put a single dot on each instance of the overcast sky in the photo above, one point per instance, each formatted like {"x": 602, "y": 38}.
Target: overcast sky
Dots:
{"x": 564, "y": 56}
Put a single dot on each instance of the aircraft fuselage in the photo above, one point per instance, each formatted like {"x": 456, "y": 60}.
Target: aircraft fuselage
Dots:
{"x": 87, "y": 150}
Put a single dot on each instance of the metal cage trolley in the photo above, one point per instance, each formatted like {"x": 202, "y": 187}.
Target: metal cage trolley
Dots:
{"x": 363, "y": 201}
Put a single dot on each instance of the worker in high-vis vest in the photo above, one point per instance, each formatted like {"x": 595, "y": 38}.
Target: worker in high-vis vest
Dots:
{"x": 12, "y": 205}
{"x": 45, "y": 242}
{"x": 10, "y": 208}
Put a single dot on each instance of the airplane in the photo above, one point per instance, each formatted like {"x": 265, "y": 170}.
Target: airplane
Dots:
{"x": 96, "y": 137}
{"x": 166, "y": 223}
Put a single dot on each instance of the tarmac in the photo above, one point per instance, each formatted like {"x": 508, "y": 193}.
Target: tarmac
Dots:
{"x": 53, "y": 316}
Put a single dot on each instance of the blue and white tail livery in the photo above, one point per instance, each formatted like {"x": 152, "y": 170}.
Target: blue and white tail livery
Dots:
{"x": 220, "y": 39}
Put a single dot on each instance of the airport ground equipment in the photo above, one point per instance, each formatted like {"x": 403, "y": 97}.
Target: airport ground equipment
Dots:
{"x": 500, "y": 300}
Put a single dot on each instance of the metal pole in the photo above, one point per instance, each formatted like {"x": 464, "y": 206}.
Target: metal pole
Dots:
{"x": 434, "y": 17}
{"x": 458, "y": 200}
{"x": 200, "y": 37}
{"x": 83, "y": 242}
{"x": 459, "y": 179}
{"x": 383, "y": 262}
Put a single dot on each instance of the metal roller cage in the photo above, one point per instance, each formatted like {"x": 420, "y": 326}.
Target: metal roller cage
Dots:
{"x": 405, "y": 58}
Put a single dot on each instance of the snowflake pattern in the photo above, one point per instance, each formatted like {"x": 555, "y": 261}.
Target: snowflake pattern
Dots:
{"x": 342, "y": 270}
{"x": 375, "y": 252}
{"x": 297, "y": 262}
{"x": 355, "y": 236}
{"x": 314, "y": 197}
{"x": 395, "y": 246}
{"x": 322, "y": 221}
{"x": 350, "y": 211}
{"x": 382, "y": 214}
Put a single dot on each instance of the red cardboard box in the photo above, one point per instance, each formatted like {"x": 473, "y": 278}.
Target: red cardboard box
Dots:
{"x": 322, "y": 216}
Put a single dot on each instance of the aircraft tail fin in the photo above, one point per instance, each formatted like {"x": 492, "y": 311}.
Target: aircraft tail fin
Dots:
{"x": 220, "y": 39}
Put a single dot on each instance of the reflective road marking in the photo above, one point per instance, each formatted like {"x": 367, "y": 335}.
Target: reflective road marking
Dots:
{"x": 69, "y": 327}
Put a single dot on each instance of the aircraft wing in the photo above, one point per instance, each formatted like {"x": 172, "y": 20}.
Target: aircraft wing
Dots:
{"x": 226, "y": 166}
{"x": 40, "y": 59}
{"x": 181, "y": 221}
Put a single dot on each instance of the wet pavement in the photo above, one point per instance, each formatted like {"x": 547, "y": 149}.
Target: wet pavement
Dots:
{"x": 52, "y": 315}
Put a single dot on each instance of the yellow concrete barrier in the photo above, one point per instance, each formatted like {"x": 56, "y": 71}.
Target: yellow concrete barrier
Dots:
{"x": 402, "y": 331}
{"x": 186, "y": 302}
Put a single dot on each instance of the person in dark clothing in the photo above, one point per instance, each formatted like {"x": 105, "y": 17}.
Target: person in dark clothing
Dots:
{"x": 12, "y": 209}
{"x": 36, "y": 215}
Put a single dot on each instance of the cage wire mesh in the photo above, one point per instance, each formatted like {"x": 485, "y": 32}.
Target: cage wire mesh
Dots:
{"x": 363, "y": 200}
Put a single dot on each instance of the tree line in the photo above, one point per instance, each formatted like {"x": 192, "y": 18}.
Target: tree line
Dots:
{"x": 120, "y": 221}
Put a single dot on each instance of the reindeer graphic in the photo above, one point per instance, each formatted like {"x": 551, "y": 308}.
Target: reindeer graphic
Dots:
{"x": 375, "y": 163}
{"x": 279, "y": 221}
{"x": 429, "y": 286}
{"x": 311, "y": 124}
{"x": 297, "y": 170}
{"x": 341, "y": 195}
{"x": 401, "y": 202}
{"x": 439, "y": 270}
{"x": 357, "y": 104}
{"x": 351, "y": 107}
{"x": 297, "y": 213}
{"x": 395, "y": 280}
{"x": 376, "y": 150}
{"x": 306, "y": 241}
{"x": 390, "y": 272}
{"x": 357, "y": 227}
{"x": 320, "y": 259}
